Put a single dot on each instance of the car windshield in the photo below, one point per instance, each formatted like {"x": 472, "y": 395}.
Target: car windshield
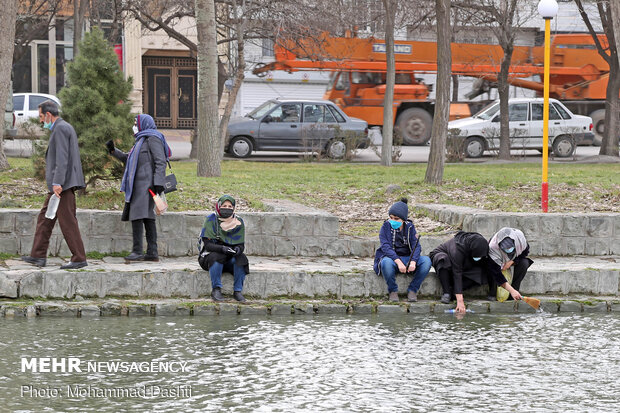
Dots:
{"x": 488, "y": 112}
{"x": 262, "y": 109}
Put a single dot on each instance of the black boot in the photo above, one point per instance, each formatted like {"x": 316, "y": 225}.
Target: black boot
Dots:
{"x": 151, "y": 240}
{"x": 136, "y": 250}
{"x": 216, "y": 294}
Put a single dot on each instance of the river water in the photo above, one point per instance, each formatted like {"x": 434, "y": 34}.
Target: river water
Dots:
{"x": 533, "y": 362}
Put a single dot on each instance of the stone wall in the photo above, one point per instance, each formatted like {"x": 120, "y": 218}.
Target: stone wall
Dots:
{"x": 551, "y": 234}
{"x": 268, "y": 233}
{"x": 195, "y": 283}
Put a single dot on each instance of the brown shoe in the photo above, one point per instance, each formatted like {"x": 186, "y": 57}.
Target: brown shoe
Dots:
{"x": 394, "y": 296}
{"x": 412, "y": 297}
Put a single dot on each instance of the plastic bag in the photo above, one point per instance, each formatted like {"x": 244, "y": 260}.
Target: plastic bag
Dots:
{"x": 161, "y": 205}
{"x": 502, "y": 293}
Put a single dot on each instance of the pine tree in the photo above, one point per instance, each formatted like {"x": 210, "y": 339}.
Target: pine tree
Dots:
{"x": 96, "y": 103}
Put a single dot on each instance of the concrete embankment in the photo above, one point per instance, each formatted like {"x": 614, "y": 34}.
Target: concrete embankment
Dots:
{"x": 178, "y": 307}
{"x": 311, "y": 277}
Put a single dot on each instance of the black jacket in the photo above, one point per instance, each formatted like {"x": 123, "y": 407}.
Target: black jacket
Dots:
{"x": 213, "y": 251}
{"x": 496, "y": 271}
{"x": 456, "y": 255}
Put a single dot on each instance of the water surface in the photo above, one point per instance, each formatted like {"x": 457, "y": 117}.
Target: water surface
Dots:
{"x": 533, "y": 362}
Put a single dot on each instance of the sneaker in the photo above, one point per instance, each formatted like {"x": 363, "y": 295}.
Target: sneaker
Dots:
{"x": 491, "y": 298}
{"x": 412, "y": 297}
{"x": 239, "y": 297}
{"x": 151, "y": 258}
{"x": 445, "y": 299}
{"x": 394, "y": 296}
{"x": 216, "y": 294}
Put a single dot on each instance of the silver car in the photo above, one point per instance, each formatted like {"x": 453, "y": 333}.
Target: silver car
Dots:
{"x": 296, "y": 125}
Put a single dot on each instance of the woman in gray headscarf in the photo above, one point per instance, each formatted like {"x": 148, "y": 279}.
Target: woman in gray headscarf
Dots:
{"x": 508, "y": 250}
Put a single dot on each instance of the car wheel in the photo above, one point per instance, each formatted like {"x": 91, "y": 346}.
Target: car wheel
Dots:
{"x": 414, "y": 125}
{"x": 240, "y": 147}
{"x": 563, "y": 146}
{"x": 335, "y": 149}
{"x": 474, "y": 147}
{"x": 598, "y": 126}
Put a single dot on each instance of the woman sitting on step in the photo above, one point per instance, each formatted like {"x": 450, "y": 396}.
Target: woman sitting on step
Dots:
{"x": 508, "y": 250}
{"x": 222, "y": 242}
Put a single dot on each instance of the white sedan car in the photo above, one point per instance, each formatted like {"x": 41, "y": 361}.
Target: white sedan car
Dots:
{"x": 26, "y": 106}
{"x": 481, "y": 132}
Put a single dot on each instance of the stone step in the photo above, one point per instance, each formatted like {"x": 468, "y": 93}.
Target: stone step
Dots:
{"x": 280, "y": 277}
{"x": 187, "y": 307}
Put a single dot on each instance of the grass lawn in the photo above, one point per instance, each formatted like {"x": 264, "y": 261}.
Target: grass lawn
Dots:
{"x": 355, "y": 192}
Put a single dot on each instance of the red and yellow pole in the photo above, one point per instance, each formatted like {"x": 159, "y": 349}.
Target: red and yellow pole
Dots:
{"x": 545, "y": 142}
{"x": 548, "y": 9}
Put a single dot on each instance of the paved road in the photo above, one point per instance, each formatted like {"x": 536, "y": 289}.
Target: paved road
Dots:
{"x": 410, "y": 154}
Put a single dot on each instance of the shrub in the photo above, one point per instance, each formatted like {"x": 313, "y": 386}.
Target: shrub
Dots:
{"x": 95, "y": 102}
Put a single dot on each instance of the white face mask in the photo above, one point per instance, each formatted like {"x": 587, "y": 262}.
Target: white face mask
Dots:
{"x": 135, "y": 129}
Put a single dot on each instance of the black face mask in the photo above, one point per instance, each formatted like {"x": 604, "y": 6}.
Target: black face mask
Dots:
{"x": 226, "y": 212}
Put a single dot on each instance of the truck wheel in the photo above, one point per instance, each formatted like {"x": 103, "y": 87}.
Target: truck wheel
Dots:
{"x": 240, "y": 147}
{"x": 414, "y": 124}
{"x": 474, "y": 147}
{"x": 598, "y": 122}
{"x": 563, "y": 146}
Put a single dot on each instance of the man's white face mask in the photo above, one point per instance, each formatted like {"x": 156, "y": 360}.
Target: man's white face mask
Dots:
{"x": 135, "y": 129}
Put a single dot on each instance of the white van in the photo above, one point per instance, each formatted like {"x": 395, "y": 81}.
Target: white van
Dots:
{"x": 481, "y": 131}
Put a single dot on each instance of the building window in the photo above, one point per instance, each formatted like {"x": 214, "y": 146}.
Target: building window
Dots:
{"x": 267, "y": 48}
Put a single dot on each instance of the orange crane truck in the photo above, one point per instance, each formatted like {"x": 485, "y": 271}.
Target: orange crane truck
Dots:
{"x": 578, "y": 76}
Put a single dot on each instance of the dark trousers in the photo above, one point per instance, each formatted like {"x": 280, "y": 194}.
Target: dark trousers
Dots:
{"x": 137, "y": 228}
{"x": 446, "y": 278}
{"x": 520, "y": 269}
{"x": 68, "y": 225}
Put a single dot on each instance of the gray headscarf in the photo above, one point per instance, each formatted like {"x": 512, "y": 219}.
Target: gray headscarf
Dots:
{"x": 497, "y": 254}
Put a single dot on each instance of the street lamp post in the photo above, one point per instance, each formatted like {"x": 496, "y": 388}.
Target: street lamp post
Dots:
{"x": 548, "y": 9}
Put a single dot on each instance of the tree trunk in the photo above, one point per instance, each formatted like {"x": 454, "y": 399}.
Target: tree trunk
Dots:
{"x": 209, "y": 148}
{"x": 609, "y": 145}
{"x": 239, "y": 75}
{"x": 434, "y": 168}
{"x": 503, "y": 89}
{"x": 388, "y": 100}
{"x": 455, "y": 88}
{"x": 7, "y": 34}
{"x": 79, "y": 12}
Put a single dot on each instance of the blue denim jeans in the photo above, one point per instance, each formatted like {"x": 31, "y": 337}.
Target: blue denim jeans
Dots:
{"x": 216, "y": 269}
{"x": 389, "y": 269}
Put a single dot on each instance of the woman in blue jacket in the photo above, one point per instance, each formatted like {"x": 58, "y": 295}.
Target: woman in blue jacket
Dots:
{"x": 398, "y": 237}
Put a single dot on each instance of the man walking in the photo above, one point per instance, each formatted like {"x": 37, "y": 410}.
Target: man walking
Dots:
{"x": 63, "y": 175}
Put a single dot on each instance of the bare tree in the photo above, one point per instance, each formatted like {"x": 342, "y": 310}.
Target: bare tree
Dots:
{"x": 504, "y": 18}
{"x": 209, "y": 152}
{"x": 238, "y": 25}
{"x": 609, "y": 12}
{"x": 434, "y": 168}
{"x": 35, "y": 20}
{"x": 80, "y": 7}
{"x": 390, "y": 76}
{"x": 7, "y": 34}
